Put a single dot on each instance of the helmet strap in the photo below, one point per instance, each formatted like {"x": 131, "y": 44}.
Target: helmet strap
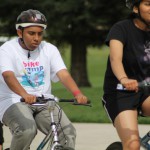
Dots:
{"x": 22, "y": 42}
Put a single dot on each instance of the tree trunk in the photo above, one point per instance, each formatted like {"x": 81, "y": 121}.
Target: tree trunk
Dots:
{"x": 79, "y": 64}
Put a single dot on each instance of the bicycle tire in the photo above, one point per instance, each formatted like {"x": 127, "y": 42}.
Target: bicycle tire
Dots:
{"x": 115, "y": 146}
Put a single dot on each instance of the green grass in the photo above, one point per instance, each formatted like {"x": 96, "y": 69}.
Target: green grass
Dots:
{"x": 96, "y": 61}
{"x": 96, "y": 64}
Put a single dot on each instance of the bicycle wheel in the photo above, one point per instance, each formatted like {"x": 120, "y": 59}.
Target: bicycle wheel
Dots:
{"x": 115, "y": 146}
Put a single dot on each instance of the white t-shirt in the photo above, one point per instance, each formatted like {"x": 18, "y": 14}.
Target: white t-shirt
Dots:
{"x": 33, "y": 73}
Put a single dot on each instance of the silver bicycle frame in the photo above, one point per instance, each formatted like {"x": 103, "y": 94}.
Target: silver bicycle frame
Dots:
{"x": 56, "y": 144}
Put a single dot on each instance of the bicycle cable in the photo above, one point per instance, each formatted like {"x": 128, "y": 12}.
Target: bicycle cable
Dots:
{"x": 59, "y": 124}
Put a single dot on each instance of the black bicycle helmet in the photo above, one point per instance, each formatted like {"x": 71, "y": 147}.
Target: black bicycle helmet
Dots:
{"x": 131, "y": 3}
{"x": 31, "y": 18}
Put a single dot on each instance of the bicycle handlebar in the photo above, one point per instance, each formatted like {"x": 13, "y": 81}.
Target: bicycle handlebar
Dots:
{"x": 141, "y": 85}
{"x": 144, "y": 84}
{"x": 42, "y": 100}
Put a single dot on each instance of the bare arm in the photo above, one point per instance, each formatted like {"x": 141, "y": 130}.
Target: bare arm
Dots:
{"x": 116, "y": 55}
{"x": 15, "y": 86}
{"x": 70, "y": 85}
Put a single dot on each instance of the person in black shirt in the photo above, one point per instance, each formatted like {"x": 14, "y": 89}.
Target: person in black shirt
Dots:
{"x": 128, "y": 64}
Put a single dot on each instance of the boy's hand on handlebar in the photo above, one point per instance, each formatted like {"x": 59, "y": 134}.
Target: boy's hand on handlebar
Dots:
{"x": 130, "y": 84}
{"x": 30, "y": 99}
{"x": 81, "y": 99}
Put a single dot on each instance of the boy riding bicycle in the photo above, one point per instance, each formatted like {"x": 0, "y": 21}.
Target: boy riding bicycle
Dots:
{"x": 27, "y": 66}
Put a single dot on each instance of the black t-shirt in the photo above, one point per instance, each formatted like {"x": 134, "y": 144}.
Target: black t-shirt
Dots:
{"x": 136, "y": 54}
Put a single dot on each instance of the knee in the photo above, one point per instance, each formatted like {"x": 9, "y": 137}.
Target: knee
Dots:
{"x": 134, "y": 145}
{"x": 70, "y": 137}
{"x": 29, "y": 133}
{"x": 25, "y": 132}
{"x": 71, "y": 130}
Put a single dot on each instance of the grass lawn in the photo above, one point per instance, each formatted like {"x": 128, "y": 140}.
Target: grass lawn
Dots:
{"x": 96, "y": 64}
{"x": 96, "y": 71}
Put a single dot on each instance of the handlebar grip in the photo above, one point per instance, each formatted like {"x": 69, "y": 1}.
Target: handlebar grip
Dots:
{"x": 22, "y": 100}
{"x": 87, "y": 104}
{"x": 72, "y": 100}
{"x": 38, "y": 100}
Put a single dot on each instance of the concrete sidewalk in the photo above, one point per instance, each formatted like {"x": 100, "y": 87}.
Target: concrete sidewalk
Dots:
{"x": 89, "y": 136}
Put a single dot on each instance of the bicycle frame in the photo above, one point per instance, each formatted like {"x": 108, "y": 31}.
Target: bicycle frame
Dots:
{"x": 144, "y": 141}
{"x": 51, "y": 106}
{"x": 56, "y": 144}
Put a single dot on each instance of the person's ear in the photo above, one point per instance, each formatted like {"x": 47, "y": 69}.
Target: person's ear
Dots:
{"x": 135, "y": 9}
{"x": 19, "y": 32}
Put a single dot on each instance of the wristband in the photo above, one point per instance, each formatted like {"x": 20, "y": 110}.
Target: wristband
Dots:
{"x": 75, "y": 93}
{"x": 122, "y": 78}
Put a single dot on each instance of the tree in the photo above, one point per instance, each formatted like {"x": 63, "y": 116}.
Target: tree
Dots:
{"x": 79, "y": 23}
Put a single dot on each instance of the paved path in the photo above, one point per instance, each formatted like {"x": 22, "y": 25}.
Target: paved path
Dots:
{"x": 89, "y": 136}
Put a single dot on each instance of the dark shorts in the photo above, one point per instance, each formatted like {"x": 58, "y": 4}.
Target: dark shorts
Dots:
{"x": 121, "y": 101}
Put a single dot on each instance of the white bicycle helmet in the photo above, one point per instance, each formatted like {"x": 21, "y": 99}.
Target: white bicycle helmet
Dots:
{"x": 31, "y": 18}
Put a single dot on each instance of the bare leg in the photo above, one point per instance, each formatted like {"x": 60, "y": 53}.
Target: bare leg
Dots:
{"x": 1, "y": 147}
{"x": 146, "y": 107}
{"x": 127, "y": 127}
